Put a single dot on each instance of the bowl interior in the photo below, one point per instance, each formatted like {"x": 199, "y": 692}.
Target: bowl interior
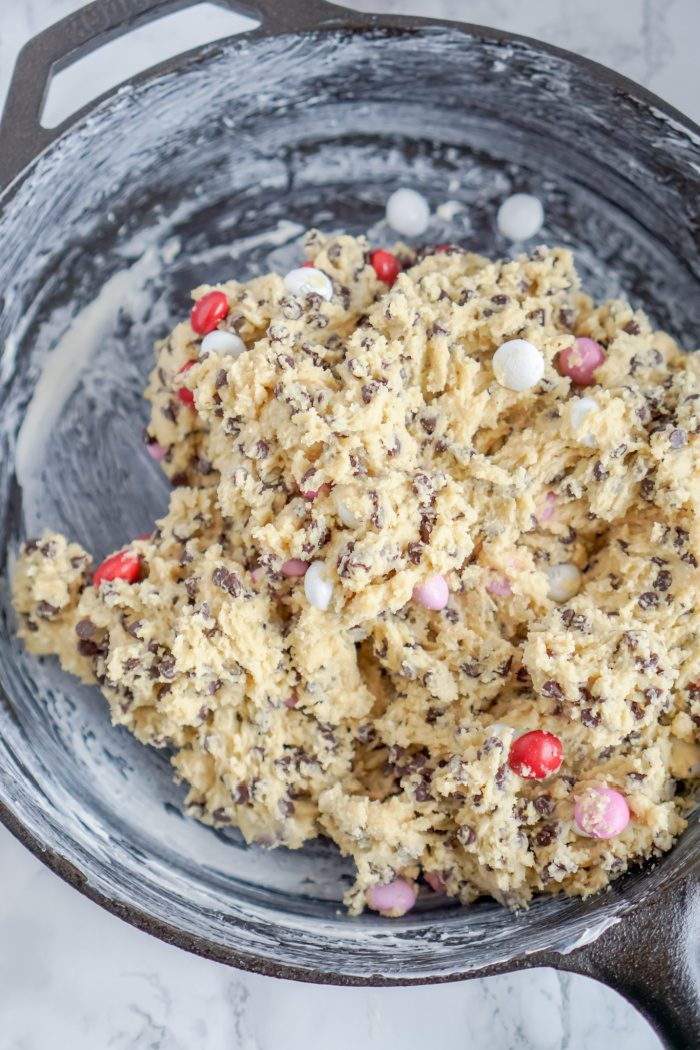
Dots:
{"x": 99, "y": 249}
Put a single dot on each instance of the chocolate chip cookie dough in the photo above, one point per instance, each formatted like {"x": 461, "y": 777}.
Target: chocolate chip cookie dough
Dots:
{"x": 426, "y": 584}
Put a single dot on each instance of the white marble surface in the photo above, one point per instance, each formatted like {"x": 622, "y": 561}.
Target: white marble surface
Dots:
{"x": 72, "y": 975}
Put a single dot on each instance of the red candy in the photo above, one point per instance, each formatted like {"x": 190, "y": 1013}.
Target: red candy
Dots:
{"x": 307, "y": 263}
{"x": 535, "y": 755}
{"x": 386, "y": 266}
{"x": 208, "y": 311}
{"x": 580, "y": 361}
{"x": 183, "y": 392}
{"x": 125, "y": 565}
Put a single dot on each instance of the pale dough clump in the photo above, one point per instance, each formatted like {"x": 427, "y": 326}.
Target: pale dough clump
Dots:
{"x": 369, "y": 433}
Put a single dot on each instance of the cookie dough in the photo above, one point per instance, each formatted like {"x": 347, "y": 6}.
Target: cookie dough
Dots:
{"x": 485, "y": 562}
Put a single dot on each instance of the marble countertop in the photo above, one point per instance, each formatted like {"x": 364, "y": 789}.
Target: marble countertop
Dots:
{"x": 73, "y": 975}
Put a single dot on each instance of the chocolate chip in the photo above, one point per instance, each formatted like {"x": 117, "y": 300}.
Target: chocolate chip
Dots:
{"x": 286, "y": 807}
{"x": 86, "y": 647}
{"x": 553, "y": 689}
{"x": 648, "y": 600}
{"x": 415, "y": 552}
{"x": 227, "y": 581}
{"x": 590, "y": 718}
{"x": 646, "y": 488}
{"x": 544, "y": 804}
{"x": 366, "y": 733}
{"x": 546, "y": 835}
{"x": 85, "y": 629}
{"x": 466, "y": 835}
{"x": 166, "y": 667}
{"x": 48, "y": 549}
{"x": 599, "y": 471}
{"x": 427, "y": 523}
{"x": 637, "y": 710}
{"x": 241, "y": 794}
{"x": 632, "y": 328}
{"x": 663, "y": 581}
{"x": 30, "y": 546}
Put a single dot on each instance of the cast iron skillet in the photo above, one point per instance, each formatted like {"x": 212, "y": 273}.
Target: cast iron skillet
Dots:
{"x": 313, "y": 118}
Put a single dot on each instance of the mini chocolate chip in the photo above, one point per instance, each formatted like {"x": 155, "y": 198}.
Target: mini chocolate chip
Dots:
{"x": 427, "y": 523}
{"x": 648, "y": 600}
{"x": 663, "y": 581}
{"x": 590, "y": 718}
{"x": 85, "y": 629}
{"x": 415, "y": 552}
{"x": 544, "y": 804}
{"x": 677, "y": 438}
{"x": 466, "y": 835}
{"x": 637, "y": 710}
{"x": 546, "y": 835}
{"x": 553, "y": 689}
{"x": 632, "y": 328}
{"x": 86, "y": 647}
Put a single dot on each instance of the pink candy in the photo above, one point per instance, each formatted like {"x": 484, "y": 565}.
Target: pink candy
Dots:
{"x": 292, "y": 700}
{"x": 156, "y": 451}
{"x": 393, "y": 899}
{"x": 549, "y": 504}
{"x": 601, "y": 813}
{"x": 500, "y": 586}
{"x": 580, "y": 361}
{"x": 294, "y": 567}
{"x": 322, "y": 490}
{"x": 433, "y": 594}
{"x": 257, "y": 574}
{"x": 434, "y": 880}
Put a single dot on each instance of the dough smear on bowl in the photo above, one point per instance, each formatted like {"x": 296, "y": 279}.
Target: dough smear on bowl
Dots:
{"x": 401, "y": 537}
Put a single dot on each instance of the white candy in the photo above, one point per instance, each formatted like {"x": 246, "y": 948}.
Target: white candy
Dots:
{"x": 408, "y": 212}
{"x": 564, "y": 581}
{"x": 317, "y": 588}
{"x": 346, "y": 516}
{"x": 580, "y": 410}
{"x": 307, "y": 280}
{"x": 518, "y": 365}
{"x": 520, "y": 217}
{"x": 223, "y": 343}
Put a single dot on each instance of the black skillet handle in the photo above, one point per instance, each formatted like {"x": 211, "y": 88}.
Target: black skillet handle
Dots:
{"x": 22, "y": 137}
{"x": 652, "y": 957}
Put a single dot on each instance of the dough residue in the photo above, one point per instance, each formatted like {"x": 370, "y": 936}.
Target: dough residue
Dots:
{"x": 369, "y": 433}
